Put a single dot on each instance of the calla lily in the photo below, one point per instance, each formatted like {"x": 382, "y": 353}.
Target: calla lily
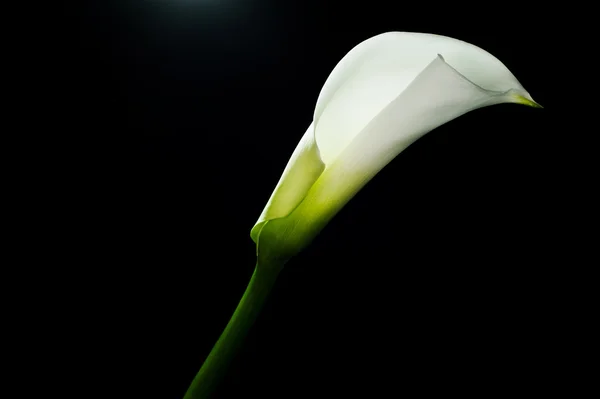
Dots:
{"x": 383, "y": 95}
{"x": 387, "y": 92}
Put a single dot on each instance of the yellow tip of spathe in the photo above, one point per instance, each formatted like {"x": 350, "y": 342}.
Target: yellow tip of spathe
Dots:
{"x": 520, "y": 99}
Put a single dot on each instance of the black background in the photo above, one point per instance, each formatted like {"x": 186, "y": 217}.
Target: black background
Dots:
{"x": 439, "y": 276}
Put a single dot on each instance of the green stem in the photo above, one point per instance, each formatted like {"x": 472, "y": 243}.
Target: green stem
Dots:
{"x": 215, "y": 365}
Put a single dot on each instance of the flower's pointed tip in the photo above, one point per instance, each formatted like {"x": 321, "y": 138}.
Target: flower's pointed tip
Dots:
{"x": 526, "y": 100}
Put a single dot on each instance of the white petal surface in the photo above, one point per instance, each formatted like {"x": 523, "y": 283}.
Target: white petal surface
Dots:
{"x": 376, "y": 71}
{"x": 437, "y": 95}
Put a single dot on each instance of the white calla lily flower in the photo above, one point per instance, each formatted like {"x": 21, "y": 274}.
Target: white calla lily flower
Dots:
{"x": 386, "y": 93}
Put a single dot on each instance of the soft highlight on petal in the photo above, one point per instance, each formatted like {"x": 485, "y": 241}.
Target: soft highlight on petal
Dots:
{"x": 377, "y": 70}
{"x": 436, "y": 96}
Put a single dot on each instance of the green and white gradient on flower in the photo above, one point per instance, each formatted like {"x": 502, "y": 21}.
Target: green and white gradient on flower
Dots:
{"x": 386, "y": 93}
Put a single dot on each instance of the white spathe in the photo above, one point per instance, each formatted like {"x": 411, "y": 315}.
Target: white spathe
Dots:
{"x": 383, "y": 95}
